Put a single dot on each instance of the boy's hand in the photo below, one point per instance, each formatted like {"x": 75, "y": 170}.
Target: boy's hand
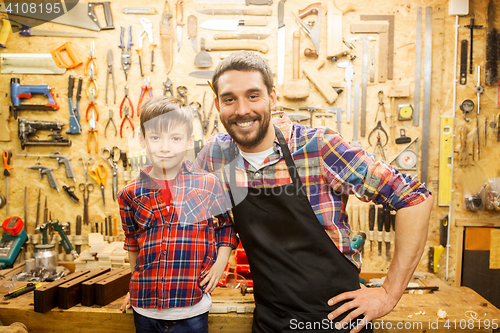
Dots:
{"x": 212, "y": 276}
{"x": 126, "y": 303}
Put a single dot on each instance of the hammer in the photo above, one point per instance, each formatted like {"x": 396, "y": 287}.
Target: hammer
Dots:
{"x": 311, "y": 110}
{"x": 323, "y": 116}
{"x": 298, "y": 117}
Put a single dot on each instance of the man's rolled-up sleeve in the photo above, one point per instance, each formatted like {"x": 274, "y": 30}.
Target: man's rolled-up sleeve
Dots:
{"x": 225, "y": 234}
{"x": 352, "y": 171}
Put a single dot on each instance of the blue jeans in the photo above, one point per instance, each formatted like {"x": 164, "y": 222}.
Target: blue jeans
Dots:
{"x": 198, "y": 324}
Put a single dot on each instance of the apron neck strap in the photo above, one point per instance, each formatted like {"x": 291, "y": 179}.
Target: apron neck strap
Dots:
{"x": 292, "y": 169}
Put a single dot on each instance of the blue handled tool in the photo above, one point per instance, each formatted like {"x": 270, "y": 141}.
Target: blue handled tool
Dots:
{"x": 74, "y": 124}
{"x": 19, "y": 91}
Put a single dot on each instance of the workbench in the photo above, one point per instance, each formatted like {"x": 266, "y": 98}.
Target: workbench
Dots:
{"x": 232, "y": 312}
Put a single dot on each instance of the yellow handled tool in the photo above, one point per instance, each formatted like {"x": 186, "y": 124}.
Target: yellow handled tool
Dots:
{"x": 5, "y": 32}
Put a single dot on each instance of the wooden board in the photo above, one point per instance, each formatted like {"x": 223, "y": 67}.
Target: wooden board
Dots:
{"x": 112, "y": 288}
{"x": 47, "y": 296}
{"x": 88, "y": 287}
{"x": 108, "y": 319}
{"x": 70, "y": 293}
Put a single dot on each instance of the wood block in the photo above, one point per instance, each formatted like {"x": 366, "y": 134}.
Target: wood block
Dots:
{"x": 70, "y": 292}
{"x": 88, "y": 287}
{"x": 317, "y": 79}
{"x": 47, "y": 297}
{"x": 114, "y": 287}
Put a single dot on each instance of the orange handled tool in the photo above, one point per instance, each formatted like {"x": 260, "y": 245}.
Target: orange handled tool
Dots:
{"x": 60, "y": 62}
{"x": 7, "y": 160}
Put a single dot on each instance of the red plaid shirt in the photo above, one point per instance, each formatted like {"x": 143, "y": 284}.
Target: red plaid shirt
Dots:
{"x": 175, "y": 248}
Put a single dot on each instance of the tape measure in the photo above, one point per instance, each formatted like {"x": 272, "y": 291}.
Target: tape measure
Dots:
{"x": 405, "y": 112}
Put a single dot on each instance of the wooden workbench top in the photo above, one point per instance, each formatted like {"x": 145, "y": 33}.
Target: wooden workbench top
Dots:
{"x": 232, "y": 312}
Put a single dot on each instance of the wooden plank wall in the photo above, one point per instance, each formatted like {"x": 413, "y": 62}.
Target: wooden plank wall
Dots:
{"x": 404, "y": 62}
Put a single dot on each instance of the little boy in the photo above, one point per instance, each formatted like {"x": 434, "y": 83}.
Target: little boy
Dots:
{"x": 177, "y": 251}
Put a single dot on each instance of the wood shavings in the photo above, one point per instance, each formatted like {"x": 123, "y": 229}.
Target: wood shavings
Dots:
{"x": 471, "y": 315}
{"x": 442, "y": 314}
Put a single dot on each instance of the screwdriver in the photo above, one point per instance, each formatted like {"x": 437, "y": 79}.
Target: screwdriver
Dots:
{"x": 380, "y": 227}
{"x": 387, "y": 234}
{"x": 7, "y": 160}
{"x": 371, "y": 226}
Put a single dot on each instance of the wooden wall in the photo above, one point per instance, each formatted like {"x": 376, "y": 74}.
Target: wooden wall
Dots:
{"x": 404, "y": 71}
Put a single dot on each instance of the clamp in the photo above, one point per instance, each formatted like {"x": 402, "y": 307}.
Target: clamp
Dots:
{"x": 126, "y": 117}
{"x": 146, "y": 87}
{"x": 381, "y": 105}
{"x": 90, "y": 61}
{"x": 110, "y": 120}
{"x": 92, "y": 106}
{"x": 381, "y": 129}
{"x": 129, "y": 102}
{"x": 167, "y": 85}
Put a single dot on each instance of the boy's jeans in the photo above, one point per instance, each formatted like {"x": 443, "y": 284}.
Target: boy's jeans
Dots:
{"x": 198, "y": 324}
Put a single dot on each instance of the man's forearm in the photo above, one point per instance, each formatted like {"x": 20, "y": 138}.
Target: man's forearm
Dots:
{"x": 411, "y": 234}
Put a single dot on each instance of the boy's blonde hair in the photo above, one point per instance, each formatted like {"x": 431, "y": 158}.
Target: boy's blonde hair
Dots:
{"x": 162, "y": 113}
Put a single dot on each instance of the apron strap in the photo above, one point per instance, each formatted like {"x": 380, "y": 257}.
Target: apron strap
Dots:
{"x": 292, "y": 169}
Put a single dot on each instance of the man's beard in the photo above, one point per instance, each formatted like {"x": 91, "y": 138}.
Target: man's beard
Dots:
{"x": 248, "y": 140}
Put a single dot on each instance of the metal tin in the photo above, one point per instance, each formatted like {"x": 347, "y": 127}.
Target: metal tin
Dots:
{"x": 46, "y": 256}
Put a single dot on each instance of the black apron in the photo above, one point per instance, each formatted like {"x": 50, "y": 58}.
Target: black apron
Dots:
{"x": 295, "y": 266}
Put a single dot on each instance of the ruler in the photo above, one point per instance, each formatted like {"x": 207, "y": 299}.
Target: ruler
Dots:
{"x": 418, "y": 67}
{"x": 445, "y": 155}
{"x": 426, "y": 110}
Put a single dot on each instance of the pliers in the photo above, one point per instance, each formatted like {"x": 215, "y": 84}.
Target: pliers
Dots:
{"x": 92, "y": 133}
{"x": 146, "y": 26}
{"x": 109, "y": 59}
{"x": 126, "y": 59}
{"x": 126, "y": 117}
{"x": 146, "y": 87}
{"x": 92, "y": 81}
{"x": 206, "y": 119}
{"x": 90, "y": 61}
{"x": 167, "y": 85}
{"x": 129, "y": 102}
{"x": 110, "y": 120}
{"x": 93, "y": 106}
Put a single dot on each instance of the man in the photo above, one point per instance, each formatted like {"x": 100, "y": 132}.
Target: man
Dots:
{"x": 292, "y": 220}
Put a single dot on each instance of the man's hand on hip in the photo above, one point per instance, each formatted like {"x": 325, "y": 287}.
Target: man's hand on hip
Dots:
{"x": 372, "y": 303}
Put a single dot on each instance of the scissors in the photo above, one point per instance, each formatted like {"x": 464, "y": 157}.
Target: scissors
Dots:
{"x": 86, "y": 189}
{"x": 86, "y": 165}
{"x": 99, "y": 174}
{"x": 113, "y": 156}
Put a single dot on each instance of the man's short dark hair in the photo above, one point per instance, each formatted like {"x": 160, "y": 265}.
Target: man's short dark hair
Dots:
{"x": 168, "y": 111}
{"x": 245, "y": 61}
